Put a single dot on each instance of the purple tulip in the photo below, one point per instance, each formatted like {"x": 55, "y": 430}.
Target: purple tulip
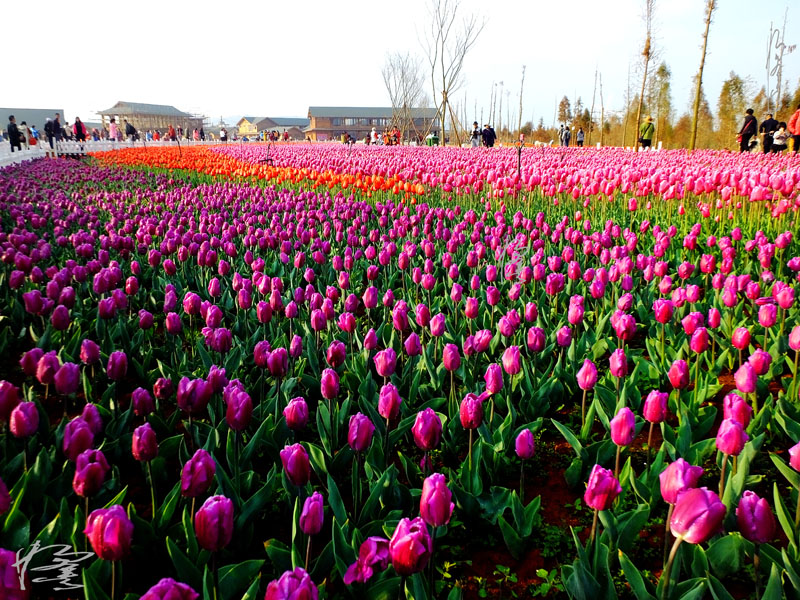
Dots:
{"x": 511, "y": 362}
{"x": 602, "y": 489}
{"x": 67, "y": 379}
{"x": 292, "y": 585}
{"x": 623, "y": 427}
{"x": 278, "y": 362}
{"x": 697, "y": 516}
{"x": 389, "y": 401}
{"x": 173, "y": 323}
{"x": 678, "y": 374}
{"x": 587, "y": 375}
{"x": 145, "y": 319}
{"x": 117, "y": 366}
{"x": 197, "y": 474}
{"x": 90, "y": 471}
{"x": 741, "y": 338}
{"x": 30, "y": 361}
{"x": 427, "y": 430}
{"x": 163, "y": 388}
{"x": 336, "y": 354}
{"x": 296, "y": 464}
{"x": 312, "y": 516}
{"x": 525, "y": 444}
{"x": 493, "y": 378}
{"x": 746, "y": 378}
{"x": 794, "y": 456}
{"x": 373, "y": 555}
{"x": 359, "y": 434}
{"x": 435, "y": 503}
{"x": 169, "y": 589}
{"x": 296, "y": 414}
{"x": 412, "y": 345}
{"x": 239, "y": 410}
{"x": 47, "y": 367}
{"x": 24, "y": 420}
{"x": 678, "y": 477}
{"x": 110, "y": 532}
{"x": 618, "y": 363}
{"x": 761, "y": 361}
{"x": 385, "y": 362}
{"x": 755, "y": 518}
{"x": 451, "y": 357}
{"x": 731, "y": 437}
{"x": 261, "y": 353}
{"x": 77, "y": 438}
{"x": 329, "y": 384}
{"x": 9, "y": 398}
{"x": 663, "y": 310}
{"x": 471, "y": 412}
{"x": 410, "y": 547}
{"x": 213, "y": 523}
{"x": 193, "y": 395}
{"x": 734, "y": 407}
{"x": 91, "y": 415}
{"x": 655, "y": 407}
{"x": 144, "y": 446}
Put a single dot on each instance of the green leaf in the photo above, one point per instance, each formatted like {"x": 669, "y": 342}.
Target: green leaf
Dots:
{"x": 514, "y": 543}
{"x": 792, "y": 476}
{"x": 186, "y": 569}
{"x": 784, "y": 518}
{"x": 91, "y": 588}
{"x": 634, "y": 578}
{"x": 335, "y": 501}
{"x": 726, "y": 555}
{"x": 571, "y": 439}
{"x": 235, "y": 579}
{"x": 774, "y": 589}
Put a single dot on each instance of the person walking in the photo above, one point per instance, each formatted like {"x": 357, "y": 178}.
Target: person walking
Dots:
{"x": 79, "y": 130}
{"x": 25, "y": 135}
{"x": 113, "y": 130}
{"x": 779, "y": 139}
{"x": 793, "y": 128}
{"x": 567, "y": 136}
{"x": 767, "y": 129}
{"x": 579, "y": 137}
{"x": 13, "y": 134}
{"x": 475, "y": 137}
{"x": 646, "y": 132}
{"x": 171, "y": 134}
{"x": 488, "y": 136}
{"x": 130, "y": 131}
{"x": 748, "y": 130}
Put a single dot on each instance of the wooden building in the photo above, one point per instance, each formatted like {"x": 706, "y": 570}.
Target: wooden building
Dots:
{"x": 151, "y": 116}
{"x": 256, "y": 127}
{"x": 330, "y": 122}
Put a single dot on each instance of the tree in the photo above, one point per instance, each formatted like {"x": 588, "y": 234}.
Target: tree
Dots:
{"x": 446, "y": 43}
{"x": 662, "y": 101}
{"x": 564, "y": 111}
{"x": 760, "y": 103}
{"x": 731, "y": 106}
{"x": 711, "y": 6}
{"x": 402, "y": 76}
{"x": 647, "y": 53}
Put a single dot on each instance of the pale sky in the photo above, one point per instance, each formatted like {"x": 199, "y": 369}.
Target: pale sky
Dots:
{"x": 276, "y": 58}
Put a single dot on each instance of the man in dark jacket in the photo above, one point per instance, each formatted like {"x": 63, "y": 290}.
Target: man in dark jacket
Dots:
{"x": 130, "y": 131}
{"x": 13, "y": 134}
{"x": 488, "y": 136}
{"x": 748, "y": 130}
{"x": 53, "y": 131}
{"x": 768, "y": 127}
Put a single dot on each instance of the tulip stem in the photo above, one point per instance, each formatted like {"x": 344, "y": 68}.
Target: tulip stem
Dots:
{"x": 696, "y": 379}
{"x": 308, "y": 551}
{"x": 386, "y": 443}
{"x": 470, "y": 451}
{"x": 113, "y": 577}
{"x": 216, "y": 574}
{"x": 401, "y": 593}
{"x": 649, "y": 442}
{"x": 432, "y": 573}
{"x": 594, "y": 525}
{"x": 86, "y": 520}
{"x": 522, "y": 481}
{"x": 667, "y": 531}
{"x": 795, "y": 379}
{"x": 668, "y": 569}
{"x": 756, "y": 566}
{"x": 663, "y": 326}
{"x": 152, "y": 490}
{"x": 583, "y": 410}
{"x": 797, "y": 512}
{"x": 616, "y": 464}
{"x": 722, "y": 474}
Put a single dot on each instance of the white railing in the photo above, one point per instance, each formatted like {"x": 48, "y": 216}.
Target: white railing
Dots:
{"x": 42, "y": 149}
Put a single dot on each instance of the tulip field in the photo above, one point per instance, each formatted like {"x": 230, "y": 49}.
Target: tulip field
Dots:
{"x": 300, "y": 371}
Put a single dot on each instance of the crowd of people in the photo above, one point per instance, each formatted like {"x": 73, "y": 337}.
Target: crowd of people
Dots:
{"x": 773, "y": 135}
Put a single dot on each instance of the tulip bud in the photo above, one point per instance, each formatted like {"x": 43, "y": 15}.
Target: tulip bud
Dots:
{"x": 471, "y": 412}
{"x": 47, "y": 367}
{"x": 678, "y": 477}
{"x": 144, "y": 446}
{"x": 435, "y": 503}
{"x": 9, "y": 398}
{"x": 90, "y": 471}
{"x": 336, "y": 354}
{"x": 389, "y": 402}
{"x": 697, "y": 516}
{"x": 77, "y": 437}
{"x": 359, "y": 434}
{"x": 761, "y": 361}
{"x": 618, "y": 363}
{"x": 293, "y": 585}
{"x": 197, "y": 474}
{"x": 412, "y": 345}
{"x": 746, "y": 378}
{"x": 731, "y": 437}
{"x": 213, "y": 523}
{"x": 493, "y": 378}
{"x": 602, "y": 489}
{"x": 329, "y": 384}
{"x": 193, "y": 395}
{"x": 451, "y": 357}
{"x": 296, "y": 464}
{"x": 587, "y": 375}
{"x": 623, "y": 427}
{"x": 169, "y": 589}
{"x": 678, "y": 374}
{"x": 385, "y": 362}
{"x": 312, "y": 516}
{"x": 427, "y": 430}
{"x": 239, "y": 410}
{"x": 525, "y": 445}
{"x": 655, "y": 406}
{"x": 67, "y": 379}
{"x": 296, "y": 414}
{"x": 410, "y": 547}
{"x": 755, "y": 518}
{"x": 117, "y": 366}
{"x": 109, "y": 531}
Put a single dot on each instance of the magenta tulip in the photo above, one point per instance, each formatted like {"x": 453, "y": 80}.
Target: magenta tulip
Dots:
{"x": 213, "y": 523}
{"x": 110, "y": 532}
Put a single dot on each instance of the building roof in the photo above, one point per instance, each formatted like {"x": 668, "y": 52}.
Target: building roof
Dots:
{"x": 291, "y": 121}
{"x": 129, "y": 108}
{"x": 369, "y": 112}
{"x": 251, "y": 120}
{"x": 31, "y": 116}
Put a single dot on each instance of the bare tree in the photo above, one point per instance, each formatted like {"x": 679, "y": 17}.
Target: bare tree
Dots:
{"x": 647, "y": 53}
{"x": 446, "y": 43}
{"x": 521, "y": 87}
{"x": 711, "y": 6}
{"x": 403, "y": 78}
